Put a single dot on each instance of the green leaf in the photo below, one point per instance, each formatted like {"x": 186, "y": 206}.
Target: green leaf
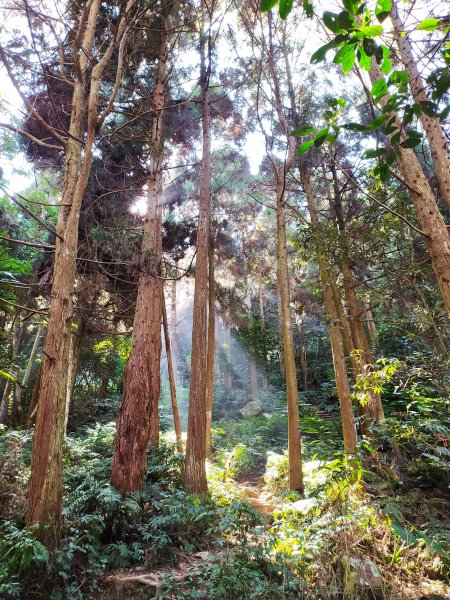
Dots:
{"x": 303, "y": 130}
{"x": 308, "y": 8}
{"x": 370, "y": 46}
{"x": 331, "y": 21}
{"x": 285, "y": 8}
{"x": 405, "y": 534}
{"x": 355, "y": 127}
{"x": 346, "y": 57}
{"x": 371, "y": 31}
{"x": 429, "y": 108}
{"x": 413, "y": 140}
{"x": 364, "y": 60}
{"x": 373, "y": 153}
{"x": 382, "y": 9}
{"x": 428, "y": 24}
{"x": 319, "y": 55}
{"x": 350, "y": 5}
{"x": 304, "y": 147}
{"x": 379, "y": 89}
{"x": 266, "y": 5}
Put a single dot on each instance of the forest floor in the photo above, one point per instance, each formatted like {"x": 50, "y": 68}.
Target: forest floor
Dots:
{"x": 377, "y": 528}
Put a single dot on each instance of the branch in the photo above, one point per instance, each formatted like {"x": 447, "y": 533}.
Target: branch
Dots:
{"x": 31, "y": 214}
{"x": 30, "y": 137}
{"x": 47, "y": 247}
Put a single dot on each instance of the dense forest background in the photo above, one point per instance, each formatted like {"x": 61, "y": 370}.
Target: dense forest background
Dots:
{"x": 225, "y": 299}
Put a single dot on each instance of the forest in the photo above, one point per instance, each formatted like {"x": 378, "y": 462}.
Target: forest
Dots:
{"x": 225, "y": 299}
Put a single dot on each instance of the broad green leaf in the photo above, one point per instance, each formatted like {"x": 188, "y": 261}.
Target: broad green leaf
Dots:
{"x": 414, "y": 138}
{"x": 319, "y": 55}
{"x": 364, "y": 60}
{"x": 266, "y": 5}
{"x": 308, "y": 8}
{"x": 429, "y": 108}
{"x": 331, "y": 21}
{"x": 303, "y": 130}
{"x": 382, "y": 9}
{"x": 304, "y": 147}
{"x": 405, "y": 534}
{"x": 379, "y": 89}
{"x": 355, "y": 127}
{"x": 371, "y": 31}
{"x": 373, "y": 153}
{"x": 285, "y": 8}
{"x": 346, "y": 57}
{"x": 428, "y": 24}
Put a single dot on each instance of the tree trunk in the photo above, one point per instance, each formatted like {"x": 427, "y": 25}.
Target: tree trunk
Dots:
{"x": 137, "y": 419}
{"x": 294, "y": 437}
{"x": 211, "y": 349}
{"x": 76, "y": 342}
{"x": 195, "y": 473}
{"x": 373, "y": 409}
{"x": 302, "y": 352}
{"x": 173, "y": 389}
{"x": 333, "y": 324}
{"x": 173, "y": 327}
{"x": 28, "y": 370}
{"x": 431, "y": 125}
{"x": 371, "y": 327}
{"x": 45, "y": 490}
{"x": 431, "y": 222}
{"x": 262, "y": 323}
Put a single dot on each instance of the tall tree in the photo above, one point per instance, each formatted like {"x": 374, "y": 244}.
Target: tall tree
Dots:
{"x": 137, "y": 419}
{"x": 45, "y": 490}
{"x": 195, "y": 473}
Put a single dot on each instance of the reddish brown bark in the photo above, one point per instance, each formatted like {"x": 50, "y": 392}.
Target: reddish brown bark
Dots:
{"x": 211, "y": 349}
{"x": 195, "y": 472}
{"x": 137, "y": 419}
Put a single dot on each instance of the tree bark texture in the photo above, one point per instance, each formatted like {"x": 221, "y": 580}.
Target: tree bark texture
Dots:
{"x": 173, "y": 389}
{"x": 195, "y": 472}
{"x": 211, "y": 349}
{"x": 294, "y": 437}
{"x": 431, "y": 125}
{"x": 333, "y": 324}
{"x": 137, "y": 420}
{"x": 45, "y": 488}
{"x": 431, "y": 222}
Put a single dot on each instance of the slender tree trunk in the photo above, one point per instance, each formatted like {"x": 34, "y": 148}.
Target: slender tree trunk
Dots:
{"x": 373, "y": 409}
{"x": 45, "y": 489}
{"x": 340, "y": 369}
{"x": 30, "y": 365}
{"x": 173, "y": 327}
{"x": 435, "y": 135}
{"x": 211, "y": 349}
{"x": 4, "y": 406}
{"x": 280, "y": 317}
{"x": 262, "y": 323}
{"x": 8, "y": 400}
{"x": 371, "y": 327}
{"x": 294, "y": 437}
{"x": 31, "y": 419}
{"x": 440, "y": 344}
{"x": 195, "y": 473}
{"x": 76, "y": 342}
{"x": 173, "y": 389}
{"x": 302, "y": 352}
{"x": 137, "y": 419}
{"x": 431, "y": 222}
